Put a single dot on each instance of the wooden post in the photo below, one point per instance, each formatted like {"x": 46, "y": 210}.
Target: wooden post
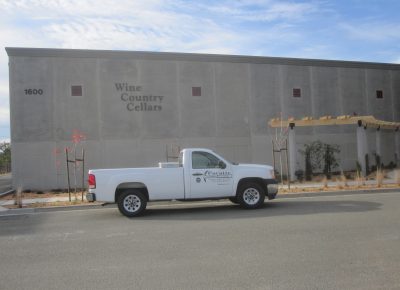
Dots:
{"x": 273, "y": 152}
{"x": 362, "y": 148}
{"x": 75, "y": 183}
{"x": 287, "y": 163}
{"x": 292, "y": 151}
{"x": 83, "y": 171}
{"x": 69, "y": 184}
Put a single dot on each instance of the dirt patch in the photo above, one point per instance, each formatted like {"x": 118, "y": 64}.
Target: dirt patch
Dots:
{"x": 76, "y": 199}
{"x": 46, "y": 194}
{"x": 54, "y": 204}
{"x": 343, "y": 187}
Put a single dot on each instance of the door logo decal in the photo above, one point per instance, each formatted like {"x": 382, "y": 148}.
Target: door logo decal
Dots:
{"x": 220, "y": 177}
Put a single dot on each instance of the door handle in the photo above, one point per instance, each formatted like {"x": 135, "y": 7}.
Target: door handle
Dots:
{"x": 197, "y": 174}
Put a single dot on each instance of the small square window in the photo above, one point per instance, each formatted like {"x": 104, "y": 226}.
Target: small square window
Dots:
{"x": 379, "y": 94}
{"x": 296, "y": 93}
{"x": 76, "y": 91}
{"x": 196, "y": 91}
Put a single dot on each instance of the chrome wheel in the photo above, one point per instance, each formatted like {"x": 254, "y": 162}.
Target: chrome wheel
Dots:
{"x": 132, "y": 203}
{"x": 251, "y": 196}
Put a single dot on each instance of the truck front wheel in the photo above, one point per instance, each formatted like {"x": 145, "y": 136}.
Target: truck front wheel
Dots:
{"x": 251, "y": 195}
{"x": 131, "y": 203}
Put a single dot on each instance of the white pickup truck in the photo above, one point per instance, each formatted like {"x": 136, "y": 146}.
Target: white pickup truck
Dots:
{"x": 199, "y": 174}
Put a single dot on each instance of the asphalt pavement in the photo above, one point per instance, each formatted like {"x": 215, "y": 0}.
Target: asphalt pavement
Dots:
{"x": 324, "y": 242}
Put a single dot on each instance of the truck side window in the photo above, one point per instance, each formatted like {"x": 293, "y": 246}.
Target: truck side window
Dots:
{"x": 204, "y": 160}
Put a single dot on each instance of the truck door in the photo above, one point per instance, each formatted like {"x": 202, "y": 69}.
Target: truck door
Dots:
{"x": 209, "y": 176}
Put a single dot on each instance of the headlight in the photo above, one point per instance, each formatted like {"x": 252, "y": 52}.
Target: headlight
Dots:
{"x": 272, "y": 173}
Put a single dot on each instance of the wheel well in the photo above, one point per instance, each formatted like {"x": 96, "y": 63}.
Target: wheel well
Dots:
{"x": 259, "y": 181}
{"x": 131, "y": 185}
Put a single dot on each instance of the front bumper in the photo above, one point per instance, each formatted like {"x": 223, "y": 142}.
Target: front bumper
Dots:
{"x": 272, "y": 188}
{"x": 90, "y": 197}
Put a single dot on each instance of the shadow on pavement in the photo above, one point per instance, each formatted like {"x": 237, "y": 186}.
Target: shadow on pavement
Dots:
{"x": 270, "y": 209}
{"x": 24, "y": 224}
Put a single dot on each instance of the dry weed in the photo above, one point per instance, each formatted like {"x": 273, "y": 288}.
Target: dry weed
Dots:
{"x": 343, "y": 180}
{"x": 360, "y": 179}
{"x": 379, "y": 178}
{"x": 18, "y": 197}
{"x": 397, "y": 176}
{"x": 325, "y": 182}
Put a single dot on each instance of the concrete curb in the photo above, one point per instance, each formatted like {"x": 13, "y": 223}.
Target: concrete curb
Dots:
{"x": 17, "y": 211}
{"x": 334, "y": 193}
{"x": 3, "y": 209}
{"x": 24, "y": 211}
{"x": 7, "y": 192}
{"x": 68, "y": 208}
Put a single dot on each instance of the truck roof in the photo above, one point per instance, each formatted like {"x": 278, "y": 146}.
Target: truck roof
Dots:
{"x": 197, "y": 149}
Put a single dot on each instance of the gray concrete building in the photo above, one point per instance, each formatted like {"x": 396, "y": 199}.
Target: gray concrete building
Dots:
{"x": 128, "y": 106}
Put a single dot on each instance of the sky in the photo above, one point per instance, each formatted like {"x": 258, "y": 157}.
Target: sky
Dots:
{"x": 358, "y": 30}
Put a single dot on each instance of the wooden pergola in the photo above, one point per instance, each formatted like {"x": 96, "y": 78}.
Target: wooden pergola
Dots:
{"x": 362, "y": 122}
{"x": 365, "y": 121}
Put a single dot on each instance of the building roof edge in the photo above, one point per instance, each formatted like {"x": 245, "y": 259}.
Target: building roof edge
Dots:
{"x": 147, "y": 55}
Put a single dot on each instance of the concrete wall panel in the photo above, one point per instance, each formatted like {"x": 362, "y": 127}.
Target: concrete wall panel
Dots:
{"x": 261, "y": 149}
{"x": 94, "y": 158}
{"x": 235, "y": 149}
{"x": 265, "y": 97}
{"x": 115, "y": 79}
{"x": 296, "y": 77}
{"x": 325, "y": 98}
{"x": 122, "y": 153}
{"x": 75, "y": 114}
{"x": 197, "y": 112}
{"x": 31, "y": 99}
{"x": 352, "y": 91}
{"x": 378, "y": 80}
{"x": 396, "y": 95}
{"x": 388, "y": 147}
{"x": 232, "y": 99}
{"x": 205, "y": 142}
{"x": 160, "y": 78}
{"x": 34, "y": 166}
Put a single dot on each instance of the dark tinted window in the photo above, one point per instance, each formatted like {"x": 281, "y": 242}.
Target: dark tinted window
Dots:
{"x": 203, "y": 160}
{"x": 76, "y": 91}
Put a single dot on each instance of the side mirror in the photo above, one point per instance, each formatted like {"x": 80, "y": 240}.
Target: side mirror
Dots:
{"x": 221, "y": 164}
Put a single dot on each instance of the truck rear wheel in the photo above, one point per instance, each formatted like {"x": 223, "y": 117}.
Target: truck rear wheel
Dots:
{"x": 251, "y": 195}
{"x": 131, "y": 203}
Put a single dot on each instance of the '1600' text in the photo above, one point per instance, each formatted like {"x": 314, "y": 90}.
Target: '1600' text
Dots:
{"x": 33, "y": 92}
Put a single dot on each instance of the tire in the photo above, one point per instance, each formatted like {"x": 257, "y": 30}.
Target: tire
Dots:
{"x": 131, "y": 203}
{"x": 251, "y": 195}
{"x": 234, "y": 200}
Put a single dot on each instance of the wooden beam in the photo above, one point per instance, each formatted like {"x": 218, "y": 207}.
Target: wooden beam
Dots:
{"x": 367, "y": 121}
